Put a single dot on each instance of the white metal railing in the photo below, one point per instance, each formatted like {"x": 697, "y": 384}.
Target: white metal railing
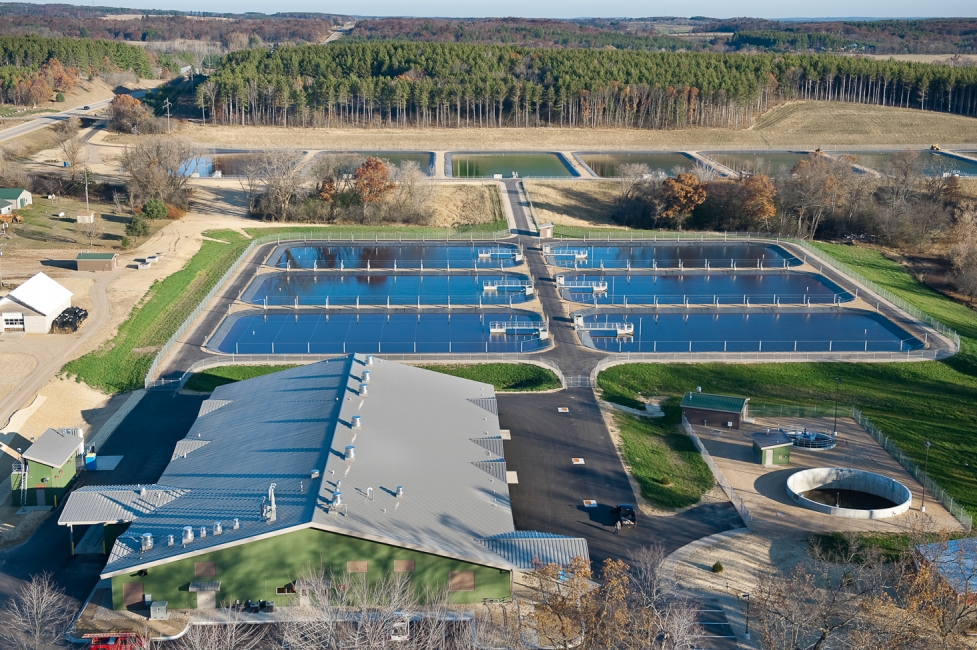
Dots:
{"x": 510, "y": 284}
{"x": 304, "y": 237}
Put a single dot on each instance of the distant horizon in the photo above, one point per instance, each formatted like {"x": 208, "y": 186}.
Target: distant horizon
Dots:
{"x": 871, "y": 10}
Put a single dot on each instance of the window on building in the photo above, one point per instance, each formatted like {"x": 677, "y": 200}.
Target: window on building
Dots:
{"x": 287, "y": 589}
{"x": 403, "y": 566}
{"x": 461, "y": 581}
{"x": 204, "y": 570}
{"x": 357, "y": 566}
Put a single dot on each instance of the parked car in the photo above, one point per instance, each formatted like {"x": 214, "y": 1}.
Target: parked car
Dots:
{"x": 625, "y": 516}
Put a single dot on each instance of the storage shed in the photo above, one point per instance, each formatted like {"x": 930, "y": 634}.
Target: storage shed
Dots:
{"x": 33, "y": 306}
{"x": 771, "y": 449}
{"x": 85, "y": 216}
{"x": 546, "y": 231}
{"x": 45, "y": 470}
{"x": 715, "y": 410}
{"x": 18, "y": 198}
{"x": 97, "y": 261}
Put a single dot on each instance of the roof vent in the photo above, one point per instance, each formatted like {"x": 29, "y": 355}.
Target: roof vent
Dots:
{"x": 203, "y": 532}
{"x": 268, "y": 510}
{"x": 145, "y": 542}
{"x": 366, "y": 376}
{"x": 218, "y": 528}
{"x": 237, "y": 524}
{"x": 400, "y": 490}
{"x": 314, "y": 474}
{"x": 169, "y": 540}
{"x": 350, "y": 452}
{"x": 187, "y": 534}
{"x": 364, "y": 390}
{"x": 142, "y": 490}
{"x": 337, "y": 498}
{"x": 369, "y": 359}
{"x": 357, "y": 422}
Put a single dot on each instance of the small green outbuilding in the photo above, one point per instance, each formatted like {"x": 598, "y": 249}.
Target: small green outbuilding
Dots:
{"x": 772, "y": 448}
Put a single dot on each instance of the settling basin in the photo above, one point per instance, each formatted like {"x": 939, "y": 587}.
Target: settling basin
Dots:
{"x": 717, "y": 255}
{"x": 310, "y": 288}
{"x": 770, "y": 163}
{"x": 934, "y": 163}
{"x": 740, "y": 331}
{"x": 606, "y": 165}
{"x": 321, "y": 332}
{"x": 732, "y": 288}
{"x": 319, "y": 255}
{"x": 509, "y": 165}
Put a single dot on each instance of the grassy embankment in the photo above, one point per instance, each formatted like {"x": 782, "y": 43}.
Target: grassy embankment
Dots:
{"x": 206, "y": 381}
{"x": 122, "y": 363}
{"x": 911, "y": 402}
{"x": 513, "y": 377}
{"x": 662, "y": 459}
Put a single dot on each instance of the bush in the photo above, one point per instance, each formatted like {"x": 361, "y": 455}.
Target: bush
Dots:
{"x": 59, "y": 97}
{"x": 137, "y": 227}
{"x": 154, "y": 209}
{"x": 125, "y": 243}
{"x": 174, "y": 213}
{"x": 665, "y": 480}
{"x": 717, "y": 567}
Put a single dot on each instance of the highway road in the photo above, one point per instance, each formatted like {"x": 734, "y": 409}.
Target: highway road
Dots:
{"x": 48, "y": 120}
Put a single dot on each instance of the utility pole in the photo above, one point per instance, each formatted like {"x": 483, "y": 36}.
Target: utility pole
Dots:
{"x": 837, "y": 386}
{"x": 926, "y": 466}
{"x": 87, "y": 208}
{"x": 167, "y": 105}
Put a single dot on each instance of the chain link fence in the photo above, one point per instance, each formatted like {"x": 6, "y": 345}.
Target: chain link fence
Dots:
{"x": 734, "y": 498}
{"x": 932, "y": 489}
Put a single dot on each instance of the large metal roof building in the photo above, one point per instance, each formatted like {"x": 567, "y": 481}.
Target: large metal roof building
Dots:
{"x": 392, "y": 463}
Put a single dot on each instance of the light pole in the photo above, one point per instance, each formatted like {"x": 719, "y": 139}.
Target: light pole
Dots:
{"x": 747, "y": 596}
{"x": 926, "y": 464}
{"x": 837, "y": 386}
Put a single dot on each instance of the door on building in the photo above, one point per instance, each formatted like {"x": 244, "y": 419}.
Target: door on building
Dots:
{"x": 39, "y": 495}
{"x": 206, "y": 600}
{"x": 132, "y": 595}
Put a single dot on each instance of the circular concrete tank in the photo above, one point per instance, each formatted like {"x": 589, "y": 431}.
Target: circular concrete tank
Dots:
{"x": 810, "y": 487}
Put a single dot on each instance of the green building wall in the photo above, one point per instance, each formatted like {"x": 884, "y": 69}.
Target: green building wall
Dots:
{"x": 55, "y": 487}
{"x": 254, "y": 570}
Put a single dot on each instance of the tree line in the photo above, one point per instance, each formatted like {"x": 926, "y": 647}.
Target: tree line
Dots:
{"x": 88, "y": 55}
{"x": 453, "y": 85}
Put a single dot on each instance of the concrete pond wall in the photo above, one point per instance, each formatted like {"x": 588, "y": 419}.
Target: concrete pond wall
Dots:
{"x": 849, "y": 479}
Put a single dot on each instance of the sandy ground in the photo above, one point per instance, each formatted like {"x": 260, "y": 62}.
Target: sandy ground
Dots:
{"x": 573, "y": 203}
{"x": 16, "y": 366}
{"x": 456, "y": 204}
{"x": 66, "y": 405}
{"x": 796, "y": 124}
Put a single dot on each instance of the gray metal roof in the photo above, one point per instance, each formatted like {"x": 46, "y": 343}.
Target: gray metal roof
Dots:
{"x": 525, "y": 548}
{"x": 104, "y": 504}
{"x": 417, "y": 430}
{"x": 53, "y": 448}
{"x": 771, "y": 440}
{"x": 207, "y": 585}
{"x": 184, "y": 447}
{"x": 211, "y": 405}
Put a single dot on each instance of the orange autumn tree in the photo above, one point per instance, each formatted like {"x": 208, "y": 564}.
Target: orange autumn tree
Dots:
{"x": 372, "y": 181}
{"x": 682, "y": 195}
{"x": 759, "y": 193}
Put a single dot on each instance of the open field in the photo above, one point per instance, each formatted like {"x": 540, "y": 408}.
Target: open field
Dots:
{"x": 515, "y": 377}
{"x": 207, "y": 380}
{"x": 796, "y": 124}
{"x": 455, "y": 205}
{"x": 922, "y": 58}
{"x": 572, "y": 203}
{"x": 910, "y": 402}
{"x": 662, "y": 459}
{"x": 43, "y": 228}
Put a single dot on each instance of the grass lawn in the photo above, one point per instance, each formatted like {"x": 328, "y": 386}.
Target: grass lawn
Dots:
{"x": 122, "y": 363}
{"x": 662, "y": 459}
{"x": 515, "y": 377}
{"x": 207, "y": 380}
{"x": 43, "y": 228}
{"x": 892, "y": 546}
{"x": 911, "y": 402}
{"x": 393, "y": 231}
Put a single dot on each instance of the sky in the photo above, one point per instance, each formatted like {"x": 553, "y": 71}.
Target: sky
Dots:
{"x": 573, "y": 8}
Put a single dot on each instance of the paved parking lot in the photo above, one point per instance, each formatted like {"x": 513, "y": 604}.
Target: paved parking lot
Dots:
{"x": 551, "y": 490}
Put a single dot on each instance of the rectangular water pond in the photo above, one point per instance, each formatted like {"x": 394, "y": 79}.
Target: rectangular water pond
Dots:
{"x": 735, "y": 288}
{"x": 769, "y": 163}
{"x": 424, "y": 159}
{"x": 310, "y": 288}
{"x": 794, "y": 331}
{"x": 318, "y": 255}
{"x": 669, "y": 255}
{"x": 934, "y": 163}
{"x": 510, "y": 165}
{"x": 320, "y": 332}
{"x": 667, "y": 163}
{"x": 228, "y": 164}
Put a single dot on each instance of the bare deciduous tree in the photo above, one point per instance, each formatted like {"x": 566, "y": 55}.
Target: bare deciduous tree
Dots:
{"x": 74, "y": 153}
{"x": 92, "y": 230}
{"x": 160, "y": 168}
{"x": 230, "y": 631}
{"x": 412, "y": 192}
{"x": 37, "y": 617}
{"x": 283, "y": 180}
